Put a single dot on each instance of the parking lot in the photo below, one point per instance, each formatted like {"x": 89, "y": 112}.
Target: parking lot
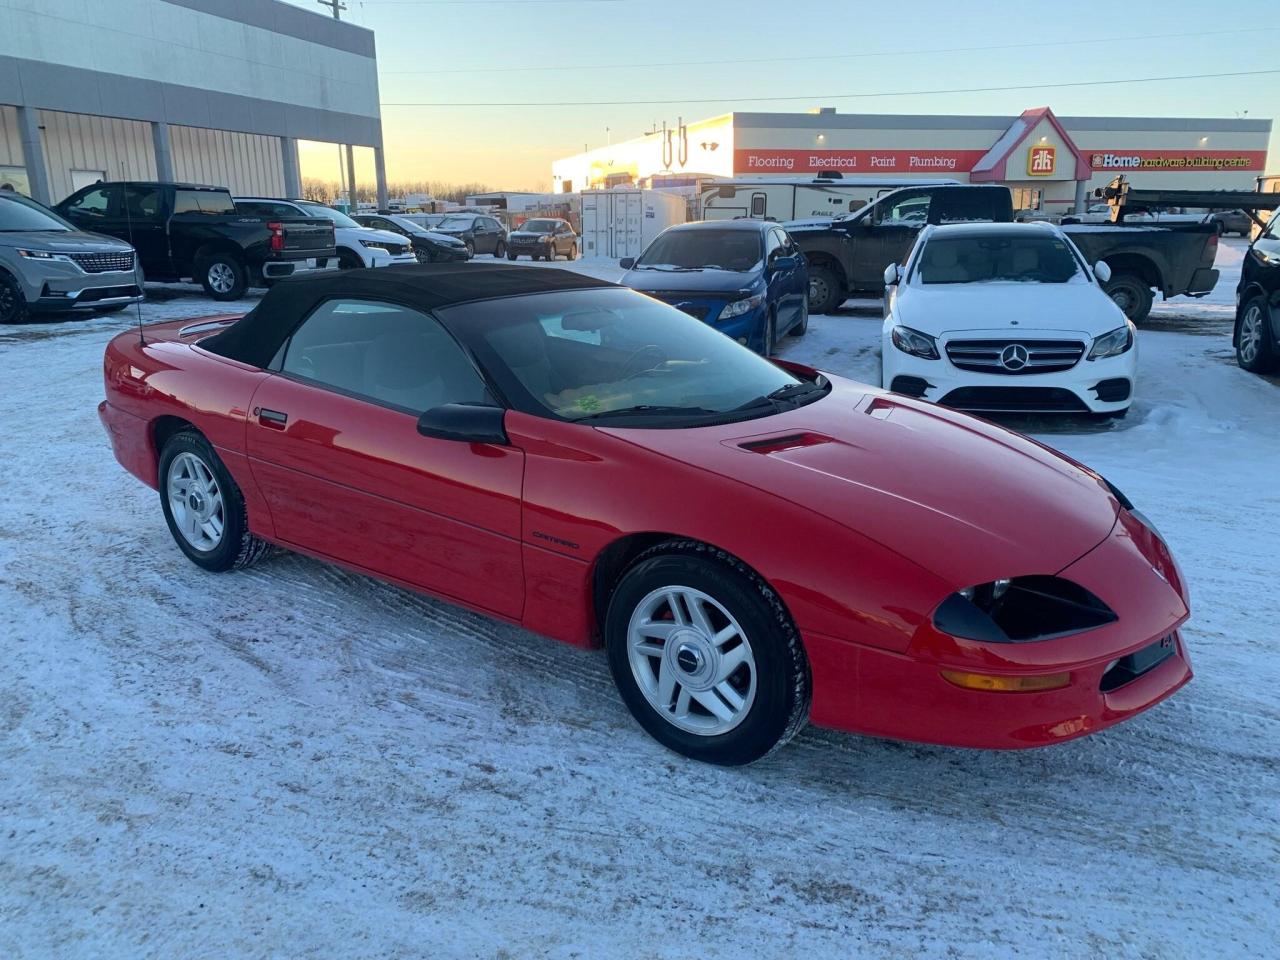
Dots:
{"x": 272, "y": 762}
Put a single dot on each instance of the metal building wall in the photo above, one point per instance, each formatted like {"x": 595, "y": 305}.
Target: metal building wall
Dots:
{"x": 119, "y": 149}
{"x": 247, "y": 163}
{"x": 10, "y": 138}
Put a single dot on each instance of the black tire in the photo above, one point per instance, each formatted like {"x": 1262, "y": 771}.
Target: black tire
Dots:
{"x": 512, "y": 255}
{"x": 13, "y": 302}
{"x": 769, "y": 341}
{"x": 783, "y": 687}
{"x": 471, "y": 248}
{"x": 222, "y": 275}
{"x": 1259, "y": 356}
{"x": 349, "y": 261}
{"x": 500, "y": 250}
{"x": 573, "y": 251}
{"x": 1132, "y": 295}
{"x": 237, "y": 547}
{"x": 801, "y": 328}
{"x": 825, "y": 290}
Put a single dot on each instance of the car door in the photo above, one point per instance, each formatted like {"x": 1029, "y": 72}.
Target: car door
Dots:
{"x": 1263, "y": 268}
{"x": 144, "y": 219}
{"x": 888, "y": 236}
{"x": 776, "y": 279}
{"x": 797, "y": 277}
{"x": 334, "y": 448}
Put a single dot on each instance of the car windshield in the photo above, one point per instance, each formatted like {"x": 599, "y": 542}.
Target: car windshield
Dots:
{"x": 985, "y": 258}
{"x": 539, "y": 226}
{"x": 20, "y": 215}
{"x": 339, "y": 218}
{"x": 737, "y": 250}
{"x": 614, "y": 357}
{"x": 456, "y": 223}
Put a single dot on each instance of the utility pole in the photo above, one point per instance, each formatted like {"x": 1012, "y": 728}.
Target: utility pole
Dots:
{"x": 353, "y": 205}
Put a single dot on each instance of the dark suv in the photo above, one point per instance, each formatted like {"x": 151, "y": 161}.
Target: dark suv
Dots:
{"x": 543, "y": 238}
{"x": 1257, "y": 332}
{"x": 480, "y": 232}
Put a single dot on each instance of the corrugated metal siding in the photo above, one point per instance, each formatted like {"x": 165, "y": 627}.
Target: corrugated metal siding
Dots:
{"x": 247, "y": 163}
{"x": 122, "y": 149}
{"x": 10, "y": 138}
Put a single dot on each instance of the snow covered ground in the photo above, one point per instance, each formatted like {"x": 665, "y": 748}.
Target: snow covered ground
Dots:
{"x": 298, "y": 762}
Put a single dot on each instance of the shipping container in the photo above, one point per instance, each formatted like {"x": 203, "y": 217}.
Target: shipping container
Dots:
{"x": 622, "y": 222}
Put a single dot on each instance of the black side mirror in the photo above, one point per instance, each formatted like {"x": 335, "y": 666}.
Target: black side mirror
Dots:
{"x": 465, "y": 422}
{"x": 626, "y": 263}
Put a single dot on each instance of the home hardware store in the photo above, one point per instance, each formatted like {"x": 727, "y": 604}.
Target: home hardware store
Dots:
{"x": 210, "y": 91}
{"x": 1051, "y": 163}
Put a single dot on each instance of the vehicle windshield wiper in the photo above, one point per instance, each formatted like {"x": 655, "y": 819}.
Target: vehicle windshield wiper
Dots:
{"x": 644, "y": 409}
{"x": 790, "y": 391}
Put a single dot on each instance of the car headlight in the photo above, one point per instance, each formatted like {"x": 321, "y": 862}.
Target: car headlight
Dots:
{"x": 544, "y": 239}
{"x": 1113, "y": 343}
{"x": 377, "y": 244}
{"x": 914, "y": 342}
{"x": 1021, "y": 610}
{"x": 43, "y": 255}
{"x": 738, "y": 307}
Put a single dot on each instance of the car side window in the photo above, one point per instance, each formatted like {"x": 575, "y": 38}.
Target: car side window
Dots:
{"x": 493, "y": 225}
{"x": 142, "y": 202}
{"x": 93, "y": 203}
{"x": 773, "y": 246}
{"x": 383, "y": 352}
{"x": 911, "y": 210}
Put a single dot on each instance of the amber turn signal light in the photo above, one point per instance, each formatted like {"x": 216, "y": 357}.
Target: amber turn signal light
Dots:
{"x": 986, "y": 681}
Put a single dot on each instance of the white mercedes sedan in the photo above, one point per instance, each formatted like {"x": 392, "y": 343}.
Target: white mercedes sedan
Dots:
{"x": 1006, "y": 318}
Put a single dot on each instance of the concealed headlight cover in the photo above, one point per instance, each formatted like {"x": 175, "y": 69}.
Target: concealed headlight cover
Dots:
{"x": 1113, "y": 343}
{"x": 739, "y": 307}
{"x": 1021, "y": 610}
{"x": 914, "y": 342}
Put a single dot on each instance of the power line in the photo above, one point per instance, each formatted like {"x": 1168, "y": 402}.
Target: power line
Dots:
{"x": 839, "y": 56}
{"x": 826, "y": 97}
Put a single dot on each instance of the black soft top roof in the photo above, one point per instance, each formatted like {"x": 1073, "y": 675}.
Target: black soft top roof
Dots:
{"x": 258, "y": 335}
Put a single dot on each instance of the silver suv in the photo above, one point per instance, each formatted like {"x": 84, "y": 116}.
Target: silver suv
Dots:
{"x": 46, "y": 264}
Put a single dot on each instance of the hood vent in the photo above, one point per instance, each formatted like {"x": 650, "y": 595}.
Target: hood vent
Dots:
{"x": 789, "y": 441}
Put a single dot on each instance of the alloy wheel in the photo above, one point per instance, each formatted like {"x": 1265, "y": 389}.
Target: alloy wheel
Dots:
{"x": 221, "y": 277}
{"x": 196, "y": 502}
{"x": 1251, "y": 334}
{"x": 691, "y": 660}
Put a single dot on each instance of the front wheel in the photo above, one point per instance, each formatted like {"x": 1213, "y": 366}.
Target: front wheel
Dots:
{"x": 1255, "y": 351}
{"x": 203, "y": 506}
{"x": 705, "y": 656}
{"x": 223, "y": 276}
{"x": 13, "y": 302}
{"x": 500, "y": 250}
{"x": 1132, "y": 295}
{"x": 511, "y": 255}
{"x": 471, "y": 249}
{"x": 573, "y": 251}
{"x": 824, "y": 290}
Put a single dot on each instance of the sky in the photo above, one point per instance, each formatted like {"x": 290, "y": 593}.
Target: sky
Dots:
{"x": 531, "y": 54}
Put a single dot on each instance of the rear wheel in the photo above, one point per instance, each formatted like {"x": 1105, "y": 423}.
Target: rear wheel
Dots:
{"x": 1255, "y": 351}
{"x": 705, "y": 656}
{"x": 824, "y": 290}
{"x": 222, "y": 275}
{"x": 203, "y": 506}
{"x": 769, "y": 337}
{"x": 1132, "y": 295}
{"x": 13, "y": 302}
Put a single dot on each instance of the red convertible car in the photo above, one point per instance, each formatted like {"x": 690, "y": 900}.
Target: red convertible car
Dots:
{"x": 755, "y": 544}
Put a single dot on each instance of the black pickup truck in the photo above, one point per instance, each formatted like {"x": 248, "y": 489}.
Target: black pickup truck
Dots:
{"x": 848, "y": 255}
{"x": 186, "y": 231}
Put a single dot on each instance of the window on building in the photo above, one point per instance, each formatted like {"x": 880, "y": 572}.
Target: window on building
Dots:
{"x": 1028, "y": 198}
{"x": 15, "y": 179}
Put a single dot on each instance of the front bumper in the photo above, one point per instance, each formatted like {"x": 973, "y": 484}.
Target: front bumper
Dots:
{"x": 56, "y": 286}
{"x": 529, "y": 248}
{"x": 903, "y": 695}
{"x": 433, "y": 253}
{"x": 1091, "y": 386}
{"x": 378, "y": 257}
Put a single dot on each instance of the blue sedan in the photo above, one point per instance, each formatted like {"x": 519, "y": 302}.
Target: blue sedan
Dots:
{"x": 746, "y": 278}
